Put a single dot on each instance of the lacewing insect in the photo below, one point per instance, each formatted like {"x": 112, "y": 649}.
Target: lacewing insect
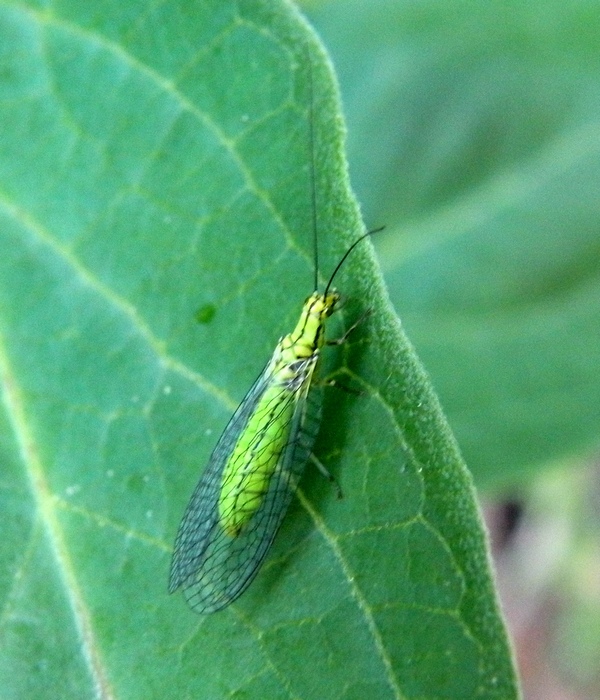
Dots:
{"x": 246, "y": 488}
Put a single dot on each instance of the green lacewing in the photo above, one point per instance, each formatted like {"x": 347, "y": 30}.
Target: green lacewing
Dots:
{"x": 243, "y": 494}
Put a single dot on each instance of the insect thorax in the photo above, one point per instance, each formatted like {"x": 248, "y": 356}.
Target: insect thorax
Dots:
{"x": 307, "y": 336}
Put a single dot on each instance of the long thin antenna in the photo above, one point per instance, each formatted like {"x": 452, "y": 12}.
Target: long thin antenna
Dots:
{"x": 347, "y": 253}
{"x": 313, "y": 184}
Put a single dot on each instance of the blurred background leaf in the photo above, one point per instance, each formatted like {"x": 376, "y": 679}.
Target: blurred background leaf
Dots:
{"x": 474, "y": 134}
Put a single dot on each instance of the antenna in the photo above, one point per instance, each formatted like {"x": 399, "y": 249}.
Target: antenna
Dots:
{"x": 347, "y": 253}
{"x": 313, "y": 184}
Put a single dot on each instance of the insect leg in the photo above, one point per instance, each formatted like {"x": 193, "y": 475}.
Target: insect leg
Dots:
{"x": 353, "y": 327}
{"x": 327, "y": 474}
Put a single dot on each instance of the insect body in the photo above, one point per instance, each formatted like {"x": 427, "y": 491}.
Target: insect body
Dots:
{"x": 257, "y": 452}
{"x": 244, "y": 492}
{"x": 242, "y": 497}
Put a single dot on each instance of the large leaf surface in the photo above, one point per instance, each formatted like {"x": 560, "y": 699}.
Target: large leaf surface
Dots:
{"x": 155, "y": 240}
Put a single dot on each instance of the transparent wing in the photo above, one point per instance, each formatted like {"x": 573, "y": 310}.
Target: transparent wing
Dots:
{"x": 201, "y": 513}
{"x": 213, "y": 567}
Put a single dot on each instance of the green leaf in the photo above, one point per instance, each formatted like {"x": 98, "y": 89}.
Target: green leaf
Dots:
{"x": 474, "y": 135}
{"x": 156, "y": 240}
